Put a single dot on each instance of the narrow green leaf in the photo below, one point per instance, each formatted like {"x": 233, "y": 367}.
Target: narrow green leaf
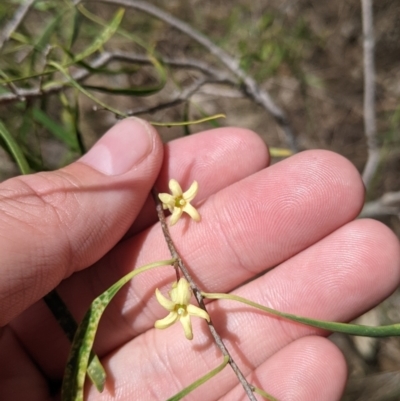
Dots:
{"x": 200, "y": 381}
{"x": 67, "y": 322}
{"x": 15, "y": 150}
{"x": 186, "y": 110}
{"x": 76, "y": 26}
{"x": 40, "y": 44}
{"x": 101, "y": 39}
{"x": 56, "y": 129}
{"x": 137, "y": 91}
{"x": 96, "y": 19}
{"x": 263, "y": 393}
{"x": 79, "y": 357}
{"x": 182, "y": 123}
{"x": 203, "y": 113}
{"x": 347, "y": 328}
{"x": 70, "y": 118}
{"x": 140, "y": 90}
{"x": 84, "y": 91}
{"x": 280, "y": 152}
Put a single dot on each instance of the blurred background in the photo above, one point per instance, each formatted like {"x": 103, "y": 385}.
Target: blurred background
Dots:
{"x": 291, "y": 70}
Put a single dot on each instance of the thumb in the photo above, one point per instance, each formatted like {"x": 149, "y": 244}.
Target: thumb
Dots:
{"x": 53, "y": 224}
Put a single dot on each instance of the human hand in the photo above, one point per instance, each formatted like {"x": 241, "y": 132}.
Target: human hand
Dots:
{"x": 296, "y": 216}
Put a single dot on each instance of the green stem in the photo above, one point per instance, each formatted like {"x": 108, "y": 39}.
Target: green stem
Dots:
{"x": 347, "y": 328}
{"x": 200, "y": 381}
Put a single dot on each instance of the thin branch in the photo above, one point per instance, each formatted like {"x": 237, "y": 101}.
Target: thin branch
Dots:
{"x": 387, "y": 205}
{"x": 187, "y": 63}
{"x": 184, "y": 96}
{"x": 81, "y": 74}
{"x": 197, "y": 293}
{"x": 250, "y": 86}
{"x": 14, "y": 23}
{"x": 105, "y": 58}
{"x": 369, "y": 93}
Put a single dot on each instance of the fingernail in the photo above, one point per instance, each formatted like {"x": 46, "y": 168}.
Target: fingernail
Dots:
{"x": 123, "y": 147}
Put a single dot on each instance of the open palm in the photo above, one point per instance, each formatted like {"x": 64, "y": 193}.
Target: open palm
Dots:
{"x": 281, "y": 235}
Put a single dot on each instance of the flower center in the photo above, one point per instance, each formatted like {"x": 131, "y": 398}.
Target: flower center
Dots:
{"x": 180, "y": 310}
{"x": 180, "y": 202}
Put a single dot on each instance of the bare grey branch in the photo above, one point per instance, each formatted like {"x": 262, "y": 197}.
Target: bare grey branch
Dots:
{"x": 249, "y": 85}
{"x": 13, "y": 24}
{"x": 199, "y": 297}
{"x": 182, "y": 97}
{"x": 105, "y": 58}
{"x": 387, "y": 205}
{"x": 369, "y": 93}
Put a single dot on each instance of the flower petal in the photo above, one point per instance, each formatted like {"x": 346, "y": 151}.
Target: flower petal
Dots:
{"x": 187, "y": 326}
{"x": 176, "y": 214}
{"x": 175, "y": 188}
{"x": 191, "y": 192}
{"x": 196, "y": 311}
{"x": 192, "y": 212}
{"x": 164, "y": 302}
{"x": 167, "y": 321}
{"x": 167, "y": 199}
{"x": 182, "y": 293}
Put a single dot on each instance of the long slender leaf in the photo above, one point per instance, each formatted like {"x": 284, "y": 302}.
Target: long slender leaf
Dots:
{"x": 280, "y": 152}
{"x": 182, "y": 123}
{"x": 76, "y": 27}
{"x": 200, "y": 381}
{"x": 347, "y": 328}
{"x": 137, "y": 91}
{"x": 264, "y": 394}
{"x": 40, "y": 44}
{"x": 56, "y": 129}
{"x": 84, "y": 91}
{"x": 101, "y": 39}
{"x": 79, "y": 357}
{"x": 122, "y": 32}
{"x": 67, "y": 322}
{"x": 15, "y": 150}
{"x": 140, "y": 90}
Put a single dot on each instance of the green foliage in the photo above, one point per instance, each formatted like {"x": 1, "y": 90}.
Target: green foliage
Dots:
{"x": 55, "y": 40}
{"x": 81, "y": 351}
{"x": 14, "y": 149}
{"x": 268, "y": 43}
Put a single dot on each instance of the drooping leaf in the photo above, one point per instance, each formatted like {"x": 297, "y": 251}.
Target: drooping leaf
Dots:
{"x": 55, "y": 128}
{"x": 138, "y": 90}
{"x": 79, "y": 357}
{"x": 74, "y": 83}
{"x": 347, "y": 328}
{"x": 15, "y": 149}
{"x": 264, "y": 394}
{"x": 182, "y": 123}
{"x": 122, "y": 32}
{"x": 67, "y": 322}
{"x": 76, "y": 27}
{"x": 39, "y": 45}
{"x": 103, "y": 38}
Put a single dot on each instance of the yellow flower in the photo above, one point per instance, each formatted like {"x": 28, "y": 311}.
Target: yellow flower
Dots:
{"x": 179, "y": 308}
{"x": 179, "y": 202}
